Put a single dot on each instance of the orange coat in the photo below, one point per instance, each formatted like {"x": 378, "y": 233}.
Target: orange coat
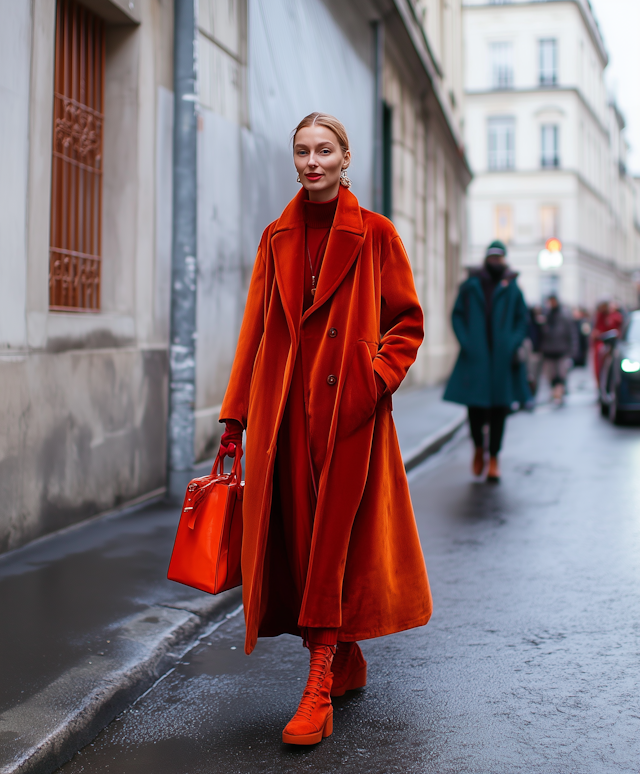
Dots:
{"x": 366, "y": 575}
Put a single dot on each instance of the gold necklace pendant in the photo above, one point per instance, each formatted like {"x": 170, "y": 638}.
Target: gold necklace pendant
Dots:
{"x": 313, "y": 279}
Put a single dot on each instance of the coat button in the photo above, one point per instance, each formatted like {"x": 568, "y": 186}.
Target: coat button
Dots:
{"x": 333, "y": 332}
{"x": 331, "y": 379}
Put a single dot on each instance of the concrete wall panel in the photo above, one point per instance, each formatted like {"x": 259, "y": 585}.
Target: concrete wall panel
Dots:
{"x": 100, "y": 442}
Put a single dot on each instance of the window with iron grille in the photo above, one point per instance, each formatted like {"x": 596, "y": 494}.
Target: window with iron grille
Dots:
{"x": 502, "y": 65}
{"x": 549, "y": 156}
{"x": 76, "y": 184}
{"x": 502, "y": 143}
{"x": 549, "y": 62}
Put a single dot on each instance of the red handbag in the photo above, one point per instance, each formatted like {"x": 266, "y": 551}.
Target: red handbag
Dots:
{"x": 208, "y": 544}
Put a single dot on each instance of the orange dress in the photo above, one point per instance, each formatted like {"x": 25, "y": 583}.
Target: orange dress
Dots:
{"x": 297, "y": 472}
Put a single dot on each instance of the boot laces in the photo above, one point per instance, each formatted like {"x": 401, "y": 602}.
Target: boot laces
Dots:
{"x": 318, "y": 667}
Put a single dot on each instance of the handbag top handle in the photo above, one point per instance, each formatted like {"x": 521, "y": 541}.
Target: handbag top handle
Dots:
{"x": 236, "y": 469}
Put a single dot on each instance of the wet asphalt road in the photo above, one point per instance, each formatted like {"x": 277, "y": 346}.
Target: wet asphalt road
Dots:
{"x": 531, "y": 662}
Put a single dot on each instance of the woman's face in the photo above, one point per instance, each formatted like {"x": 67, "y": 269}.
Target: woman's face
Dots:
{"x": 319, "y": 160}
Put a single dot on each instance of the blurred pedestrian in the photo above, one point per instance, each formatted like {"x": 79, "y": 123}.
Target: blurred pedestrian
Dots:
{"x": 608, "y": 317}
{"x": 490, "y": 320}
{"x": 599, "y": 327}
{"x": 581, "y": 336}
{"x": 556, "y": 344}
{"x": 332, "y": 323}
{"x": 534, "y": 359}
{"x": 615, "y": 318}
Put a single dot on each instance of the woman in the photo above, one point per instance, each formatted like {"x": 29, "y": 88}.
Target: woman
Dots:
{"x": 332, "y": 323}
{"x": 490, "y": 320}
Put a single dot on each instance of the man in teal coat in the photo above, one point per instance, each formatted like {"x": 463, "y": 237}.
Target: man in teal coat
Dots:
{"x": 490, "y": 320}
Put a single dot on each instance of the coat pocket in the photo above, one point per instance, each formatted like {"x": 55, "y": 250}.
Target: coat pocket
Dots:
{"x": 360, "y": 394}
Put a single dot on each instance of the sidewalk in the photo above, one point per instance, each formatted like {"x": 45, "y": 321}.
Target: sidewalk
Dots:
{"x": 89, "y": 620}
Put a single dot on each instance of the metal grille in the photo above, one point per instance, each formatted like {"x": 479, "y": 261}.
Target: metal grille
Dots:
{"x": 76, "y": 187}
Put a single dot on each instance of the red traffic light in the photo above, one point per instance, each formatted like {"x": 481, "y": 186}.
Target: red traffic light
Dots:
{"x": 553, "y": 245}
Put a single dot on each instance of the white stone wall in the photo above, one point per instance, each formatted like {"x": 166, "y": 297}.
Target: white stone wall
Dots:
{"x": 429, "y": 211}
{"x": 83, "y": 398}
{"x": 15, "y": 47}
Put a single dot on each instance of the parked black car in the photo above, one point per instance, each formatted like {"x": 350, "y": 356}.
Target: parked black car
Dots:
{"x": 620, "y": 372}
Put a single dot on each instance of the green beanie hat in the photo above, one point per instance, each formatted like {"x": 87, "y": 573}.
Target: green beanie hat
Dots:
{"x": 496, "y": 248}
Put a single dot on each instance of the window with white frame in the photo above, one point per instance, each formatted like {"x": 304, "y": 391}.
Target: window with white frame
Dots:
{"x": 548, "y": 62}
{"x": 502, "y": 142}
{"x": 549, "y": 150}
{"x": 502, "y": 65}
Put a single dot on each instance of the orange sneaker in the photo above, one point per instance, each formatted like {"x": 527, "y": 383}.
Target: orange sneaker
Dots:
{"x": 313, "y": 720}
{"x": 478, "y": 461}
{"x": 349, "y": 669}
{"x": 493, "y": 472}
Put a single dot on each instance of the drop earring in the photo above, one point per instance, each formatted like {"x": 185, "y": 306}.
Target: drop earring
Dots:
{"x": 298, "y": 178}
{"x": 344, "y": 180}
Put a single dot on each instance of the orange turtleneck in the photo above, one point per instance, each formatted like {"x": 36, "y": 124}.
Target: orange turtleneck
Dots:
{"x": 318, "y": 218}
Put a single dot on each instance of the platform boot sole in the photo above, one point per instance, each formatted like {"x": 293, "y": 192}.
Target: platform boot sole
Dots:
{"x": 314, "y": 738}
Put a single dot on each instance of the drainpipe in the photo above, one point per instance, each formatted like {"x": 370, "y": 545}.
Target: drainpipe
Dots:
{"x": 378, "y": 61}
{"x": 182, "y": 344}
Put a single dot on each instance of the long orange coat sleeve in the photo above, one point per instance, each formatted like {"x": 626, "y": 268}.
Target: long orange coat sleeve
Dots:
{"x": 401, "y": 318}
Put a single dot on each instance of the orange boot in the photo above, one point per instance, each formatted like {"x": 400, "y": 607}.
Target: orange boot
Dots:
{"x": 314, "y": 718}
{"x": 493, "y": 473}
{"x": 349, "y": 669}
{"x": 478, "y": 461}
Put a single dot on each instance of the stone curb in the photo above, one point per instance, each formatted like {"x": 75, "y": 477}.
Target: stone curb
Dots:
{"x": 432, "y": 443}
{"x": 54, "y": 724}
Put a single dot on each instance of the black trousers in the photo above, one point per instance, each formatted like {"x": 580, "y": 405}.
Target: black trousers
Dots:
{"x": 495, "y": 417}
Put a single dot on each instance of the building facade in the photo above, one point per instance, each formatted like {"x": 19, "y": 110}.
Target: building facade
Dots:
{"x": 86, "y": 216}
{"x": 83, "y": 342}
{"x": 547, "y": 149}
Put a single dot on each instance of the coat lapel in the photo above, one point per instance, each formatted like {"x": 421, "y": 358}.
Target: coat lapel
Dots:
{"x": 345, "y": 242}
{"x": 287, "y": 244}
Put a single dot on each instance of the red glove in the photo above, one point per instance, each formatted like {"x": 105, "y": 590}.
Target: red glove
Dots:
{"x": 231, "y": 438}
{"x": 380, "y": 385}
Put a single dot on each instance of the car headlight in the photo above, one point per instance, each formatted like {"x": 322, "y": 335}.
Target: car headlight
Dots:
{"x": 630, "y": 366}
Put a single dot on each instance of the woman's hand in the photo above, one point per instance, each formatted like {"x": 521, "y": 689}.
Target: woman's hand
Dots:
{"x": 381, "y": 387}
{"x": 231, "y": 438}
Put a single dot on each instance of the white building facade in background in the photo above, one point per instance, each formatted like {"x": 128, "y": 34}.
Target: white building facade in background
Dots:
{"x": 547, "y": 150}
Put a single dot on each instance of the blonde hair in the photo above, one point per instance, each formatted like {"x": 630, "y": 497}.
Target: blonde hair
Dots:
{"x": 328, "y": 121}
